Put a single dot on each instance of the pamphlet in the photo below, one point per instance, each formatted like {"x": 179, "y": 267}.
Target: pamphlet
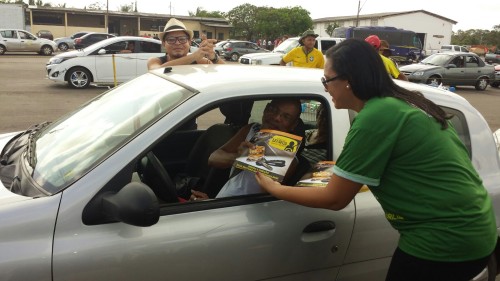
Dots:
{"x": 272, "y": 155}
{"x": 319, "y": 175}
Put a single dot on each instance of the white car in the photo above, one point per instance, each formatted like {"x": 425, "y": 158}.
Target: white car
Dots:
{"x": 18, "y": 40}
{"x": 93, "y": 195}
{"x": 94, "y": 64}
{"x": 274, "y": 57}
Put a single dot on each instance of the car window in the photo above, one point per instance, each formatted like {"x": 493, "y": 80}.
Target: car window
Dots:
{"x": 8, "y": 34}
{"x": 327, "y": 44}
{"x": 116, "y": 47}
{"x": 458, "y": 122}
{"x": 472, "y": 61}
{"x": 150, "y": 47}
{"x": 25, "y": 35}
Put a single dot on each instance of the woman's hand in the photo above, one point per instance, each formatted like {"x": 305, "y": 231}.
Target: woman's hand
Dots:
{"x": 266, "y": 183}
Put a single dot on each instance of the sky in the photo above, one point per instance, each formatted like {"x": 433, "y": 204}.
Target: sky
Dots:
{"x": 483, "y": 16}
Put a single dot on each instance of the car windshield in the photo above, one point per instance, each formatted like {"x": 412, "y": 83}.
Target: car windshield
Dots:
{"x": 437, "y": 59}
{"x": 287, "y": 46}
{"x": 73, "y": 145}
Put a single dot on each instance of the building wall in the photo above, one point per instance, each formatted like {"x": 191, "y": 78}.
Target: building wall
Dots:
{"x": 12, "y": 16}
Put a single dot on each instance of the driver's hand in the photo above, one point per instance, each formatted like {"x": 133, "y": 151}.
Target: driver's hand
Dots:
{"x": 198, "y": 196}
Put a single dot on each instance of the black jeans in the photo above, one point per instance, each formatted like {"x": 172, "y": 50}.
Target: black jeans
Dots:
{"x": 405, "y": 267}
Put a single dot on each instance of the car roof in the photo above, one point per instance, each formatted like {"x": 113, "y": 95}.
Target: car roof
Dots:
{"x": 112, "y": 40}
{"x": 91, "y": 33}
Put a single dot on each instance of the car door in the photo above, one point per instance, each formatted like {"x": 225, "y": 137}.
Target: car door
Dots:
{"x": 454, "y": 75}
{"x": 113, "y": 64}
{"x": 146, "y": 50}
{"x": 11, "y": 40}
{"x": 472, "y": 69}
{"x": 252, "y": 237}
{"x": 28, "y": 42}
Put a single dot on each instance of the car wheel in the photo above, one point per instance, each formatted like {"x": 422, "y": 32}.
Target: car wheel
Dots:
{"x": 482, "y": 84}
{"x": 495, "y": 84}
{"x": 63, "y": 47}
{"x": 488, "y": 273}
{"x": 434, "y": 80}
{"x": 234, "y": 57}
{"x": 46, "y": 50}
{"x": 2, "y": 49}
{"x": 78, "y": 78}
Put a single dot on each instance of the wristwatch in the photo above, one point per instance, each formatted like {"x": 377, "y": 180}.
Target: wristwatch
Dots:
{"x": 216, "y": 59}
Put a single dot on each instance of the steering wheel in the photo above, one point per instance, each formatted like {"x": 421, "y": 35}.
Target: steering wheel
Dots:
{"x": 153, "y": 174}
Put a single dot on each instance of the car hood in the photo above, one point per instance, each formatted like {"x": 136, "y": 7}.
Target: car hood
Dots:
{"x": 263, "y": 55}
{"x": 6, "y": 196}
{"x": 70, "y": 54}
{"x": 418, "y": 67}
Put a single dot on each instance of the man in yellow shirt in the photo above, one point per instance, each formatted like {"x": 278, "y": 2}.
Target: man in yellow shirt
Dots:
{"x": 389, "y": 64}
{"x": 305, "y": 55}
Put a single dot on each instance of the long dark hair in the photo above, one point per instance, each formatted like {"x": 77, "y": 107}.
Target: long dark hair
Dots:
{"x": 360, "y": 64}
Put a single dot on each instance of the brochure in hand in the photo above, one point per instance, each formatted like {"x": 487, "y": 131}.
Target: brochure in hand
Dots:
{"x": 319, "y": 175}
{"x": 272, "y": 155}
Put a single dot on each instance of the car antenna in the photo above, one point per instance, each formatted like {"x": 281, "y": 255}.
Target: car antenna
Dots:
{"x": 167, "y": 70}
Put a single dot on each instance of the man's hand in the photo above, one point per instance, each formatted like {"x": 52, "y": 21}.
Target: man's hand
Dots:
{"x": 198, "y": 196}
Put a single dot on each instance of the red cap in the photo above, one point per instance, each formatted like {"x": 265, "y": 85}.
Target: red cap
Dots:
{"x": 373, "y": 40}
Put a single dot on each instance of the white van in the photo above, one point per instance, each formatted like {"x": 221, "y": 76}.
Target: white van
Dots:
{"x": 274, "y": 57}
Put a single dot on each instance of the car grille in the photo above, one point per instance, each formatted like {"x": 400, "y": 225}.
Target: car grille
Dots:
{"x": 244, "y": 61}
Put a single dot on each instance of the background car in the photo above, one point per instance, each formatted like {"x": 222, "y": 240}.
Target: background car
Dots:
{"x": 493, "y": 57}
{"x": 45, "y": 34}
{"x": 495, "y": 83}
{"x": 91, "y": 195}
{"x": 219, "y": 45}
{"x": 91, "y": 38}
{"x": 234, "y": 49}
{"x": 454, "y": 48}
{"x": 18, "y": 40}
{"x": 451, "y": 68}
{"x": 65, "y": 43}
{"x": 94, "y": 64}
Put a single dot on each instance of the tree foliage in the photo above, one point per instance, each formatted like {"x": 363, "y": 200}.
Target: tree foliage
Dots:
{"x": 330, "y": 27}
{"x": 490, "y": 38}
{"x": 251, "y": 22}
{"x": 96, "y": 6}
{"x": 202, "y": 13}
{"x": 126, "y": 8}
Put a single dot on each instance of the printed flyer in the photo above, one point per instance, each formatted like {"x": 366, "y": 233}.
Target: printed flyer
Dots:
{"x": 272, "y": 155}
{"x": 319, "y": 175}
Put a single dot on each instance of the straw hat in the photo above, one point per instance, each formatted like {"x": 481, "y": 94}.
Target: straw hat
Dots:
{"x": 175, "y": 25}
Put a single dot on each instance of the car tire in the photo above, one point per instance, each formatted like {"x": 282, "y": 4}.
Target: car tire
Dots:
{"x": 436, "y": 80}
{"x": 78, "y": 78}
{"x": 495, "y": 84}
{"x": 234, "y": 57}
{"x": 482, "y": 84}
{"x": 489, "y": 273}
{"x": 63, "y": 47}
{"x": 46, "y": 50}
{"x": 2, "y": 49}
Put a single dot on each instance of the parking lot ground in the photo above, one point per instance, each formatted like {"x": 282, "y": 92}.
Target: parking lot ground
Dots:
{"x": 27, "y": 97}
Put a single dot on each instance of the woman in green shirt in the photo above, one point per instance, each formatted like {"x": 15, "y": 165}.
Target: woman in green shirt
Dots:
{"x": 401, "y": 146}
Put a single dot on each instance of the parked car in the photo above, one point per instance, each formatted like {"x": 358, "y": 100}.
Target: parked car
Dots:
{"x": 454, "y": 48}
{"x": 45, "y": 34}
{"x": 66, "y": 43}
{"x": 90, "y": 196}
{"x": 219, "y": 45}
{"x": 451, "y": 68}
{"x": 17, "y": 40}
{"x": 94, "y": 64}
{"x": 274, "y": 57}
{"x": 91, "y": 38}
{"x": 496, "y": 82}
{"x": 492, "y": 57}
{"x": 234, "y": 49}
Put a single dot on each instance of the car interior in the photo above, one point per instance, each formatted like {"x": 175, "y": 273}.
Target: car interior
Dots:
{"x": 179, "y": 162}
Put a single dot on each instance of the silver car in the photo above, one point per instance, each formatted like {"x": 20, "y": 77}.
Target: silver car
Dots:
{"x": 17, "y": 40}
{"x": 100, "y": 194}
{"x": 451, "y": 68}
{"x": 66, "y": 43}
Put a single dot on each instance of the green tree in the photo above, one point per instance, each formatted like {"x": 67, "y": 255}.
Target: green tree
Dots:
{"x": 200, "y": 12}
{"x": 330, "y": 27}
{"x": 126, "y": 8}
{"x": 96, "y": 6}
{"x": 243, "y": 20}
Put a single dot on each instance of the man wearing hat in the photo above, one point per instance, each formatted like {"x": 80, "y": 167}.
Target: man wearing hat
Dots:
{"x": 389, "y": 64}
{"x": 177, "y": 40}
{"x": 305, "y": 55}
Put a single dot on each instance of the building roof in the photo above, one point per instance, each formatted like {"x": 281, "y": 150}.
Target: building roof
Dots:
{"x": 380, "y": 15}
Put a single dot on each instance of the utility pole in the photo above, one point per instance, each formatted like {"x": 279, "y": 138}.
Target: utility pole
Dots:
{"x": 170, "y": 7}
{"x": 357, "y": 15}
{"x": 106, "y": 19}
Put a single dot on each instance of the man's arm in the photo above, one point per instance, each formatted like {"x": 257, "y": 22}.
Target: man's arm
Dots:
{"x": 224, "y": 156}
{"x": 403, "y": 77}
{"x": 282, "y": 63}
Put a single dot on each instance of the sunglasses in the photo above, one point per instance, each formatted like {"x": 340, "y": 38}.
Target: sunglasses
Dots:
{"x": 181, "y": 39}
{"x": 326, "y": 81}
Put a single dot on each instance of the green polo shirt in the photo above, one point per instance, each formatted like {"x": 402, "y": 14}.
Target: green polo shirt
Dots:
{"x": 423, "y": 179}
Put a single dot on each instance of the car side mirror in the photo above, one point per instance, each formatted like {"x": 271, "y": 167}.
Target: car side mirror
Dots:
{"x": 451, "y": 65}
{"x": 134, "y": 204}
{"x": 102, "y": 52}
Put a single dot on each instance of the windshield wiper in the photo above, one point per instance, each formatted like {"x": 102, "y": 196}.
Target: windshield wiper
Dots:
{"x": 31, "y": 147}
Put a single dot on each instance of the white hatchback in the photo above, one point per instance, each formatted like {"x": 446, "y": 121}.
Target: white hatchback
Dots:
{"x": 94, "y": 64}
